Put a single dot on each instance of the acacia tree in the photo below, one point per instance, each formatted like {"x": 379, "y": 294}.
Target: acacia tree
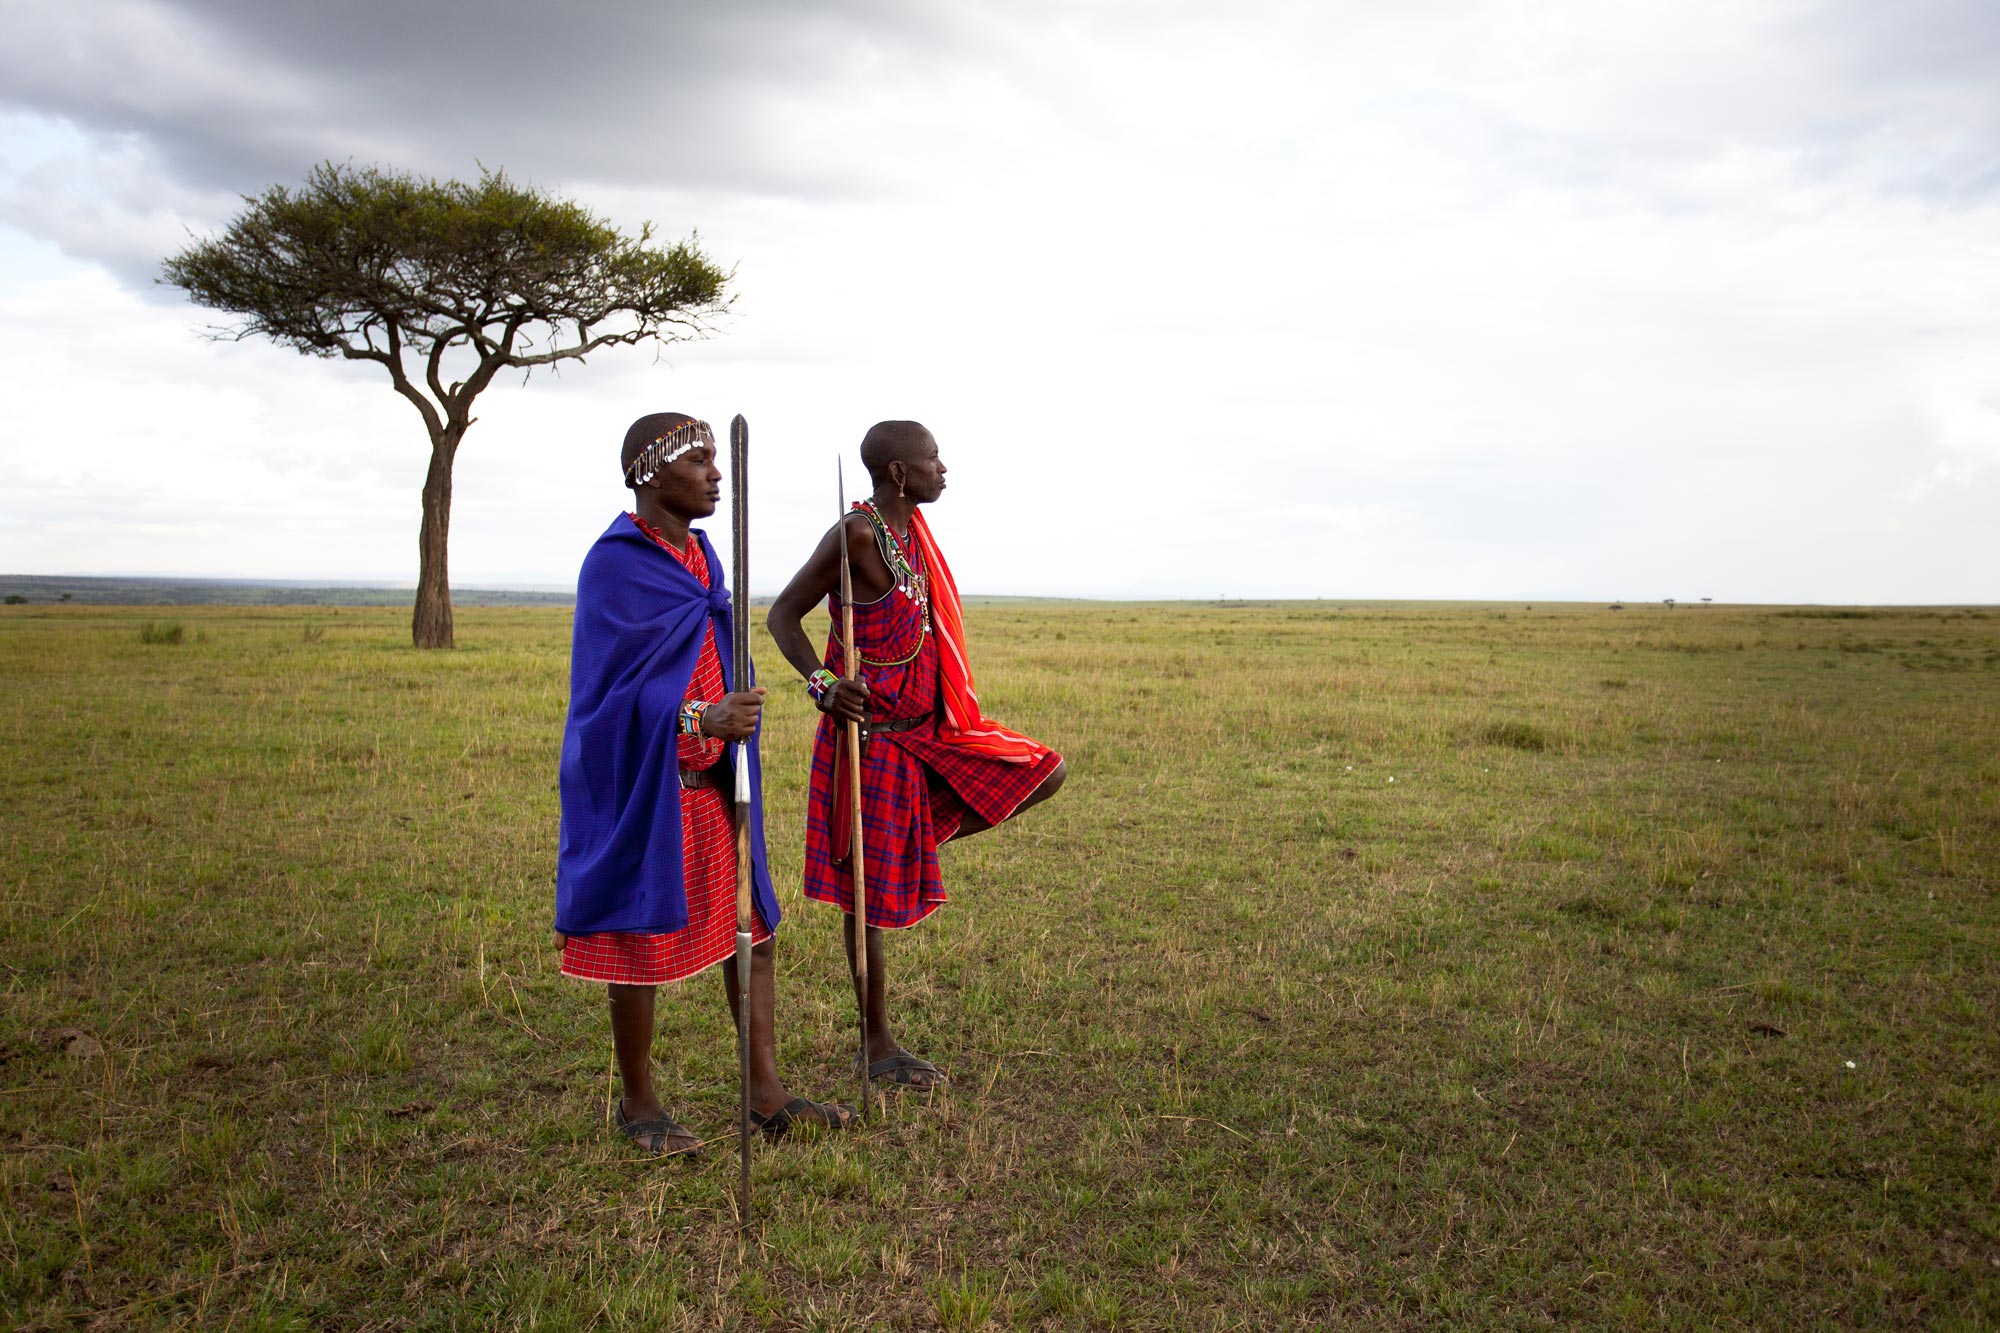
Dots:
{"x": 444, "y": 284}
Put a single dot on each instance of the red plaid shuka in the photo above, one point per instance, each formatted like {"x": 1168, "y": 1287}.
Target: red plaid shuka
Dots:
{"x": 708, "y": 841}
{"x": 915, "y": 786}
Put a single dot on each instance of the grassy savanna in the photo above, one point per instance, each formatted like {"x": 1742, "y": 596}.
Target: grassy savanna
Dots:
{"x": 1383, "y": 966}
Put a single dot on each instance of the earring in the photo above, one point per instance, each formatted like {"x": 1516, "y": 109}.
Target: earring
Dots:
{"x": 901, "y": 494}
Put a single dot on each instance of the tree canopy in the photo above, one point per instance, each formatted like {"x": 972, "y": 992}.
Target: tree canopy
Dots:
{"x": 444, "y": 284}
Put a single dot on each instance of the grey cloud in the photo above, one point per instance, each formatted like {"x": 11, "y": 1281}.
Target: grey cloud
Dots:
{"x": 797, "y": 100}
{"x": 1919, "y": 95}
{"x": 1898, "y": 99}
{"x": 119, "y": 209}
{"x": 227, "y": 96}
{"x": 1917, "y": 45}
{"x": 634, "y": 93}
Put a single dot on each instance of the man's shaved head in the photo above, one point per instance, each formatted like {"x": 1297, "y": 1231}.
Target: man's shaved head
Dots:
{"x": 889, "y": 441}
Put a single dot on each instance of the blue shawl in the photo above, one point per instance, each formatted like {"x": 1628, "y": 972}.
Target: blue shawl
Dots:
{"x": 639, "y": 621}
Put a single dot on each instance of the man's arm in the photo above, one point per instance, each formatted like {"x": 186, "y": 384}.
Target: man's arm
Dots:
{"x": 818, "y": 579}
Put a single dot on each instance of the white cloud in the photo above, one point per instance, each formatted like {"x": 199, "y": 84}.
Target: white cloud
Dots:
{"x": 1519, "y": 299}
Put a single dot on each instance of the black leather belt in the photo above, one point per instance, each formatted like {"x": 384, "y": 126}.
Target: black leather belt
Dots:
{"x": 900, "y": 724}
{"x": 713, "y": 776}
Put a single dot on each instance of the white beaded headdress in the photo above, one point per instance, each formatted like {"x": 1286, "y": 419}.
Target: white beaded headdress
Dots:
{"x": 665, "y": 449}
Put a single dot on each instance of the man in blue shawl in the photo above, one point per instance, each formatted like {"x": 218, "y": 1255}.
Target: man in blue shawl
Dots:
{"x": 646, "y": 868}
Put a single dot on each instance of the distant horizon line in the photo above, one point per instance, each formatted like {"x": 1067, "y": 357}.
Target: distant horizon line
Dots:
{"x": 568, "y": 591}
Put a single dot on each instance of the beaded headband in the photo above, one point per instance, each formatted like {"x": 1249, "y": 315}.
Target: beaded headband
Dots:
{"x": 647, "y": 463}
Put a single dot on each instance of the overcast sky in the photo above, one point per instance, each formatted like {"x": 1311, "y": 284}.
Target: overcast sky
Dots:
{"x": 1560, "y": 299}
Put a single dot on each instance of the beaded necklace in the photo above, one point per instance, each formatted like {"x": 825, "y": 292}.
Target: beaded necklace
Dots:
{"x": 911, "y": 582}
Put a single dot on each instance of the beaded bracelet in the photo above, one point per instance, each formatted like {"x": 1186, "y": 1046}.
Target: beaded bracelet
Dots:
{"x": 818, "y": 683}
{"x": 691, "y": 712}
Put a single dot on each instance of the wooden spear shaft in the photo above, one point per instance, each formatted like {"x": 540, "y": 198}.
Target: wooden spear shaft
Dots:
{"x": 852, "y": 660}
{"x": 745, "y": 678}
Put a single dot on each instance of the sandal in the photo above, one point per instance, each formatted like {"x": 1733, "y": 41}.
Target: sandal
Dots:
{"x": 800, "y": 1111}
{"x": 656, "y": 1135}
{"x": 901, "y": 1070}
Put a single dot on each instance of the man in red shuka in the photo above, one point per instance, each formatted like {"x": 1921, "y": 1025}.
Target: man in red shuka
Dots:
{"x": 933, "y": 766}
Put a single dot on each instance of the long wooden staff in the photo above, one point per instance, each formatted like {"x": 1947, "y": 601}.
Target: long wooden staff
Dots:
{"x": 745, "y": 678}
{"x": 852, "y": 660}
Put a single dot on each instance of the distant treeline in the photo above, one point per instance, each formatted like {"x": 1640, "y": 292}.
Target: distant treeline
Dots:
{"x": 19, "y": 588}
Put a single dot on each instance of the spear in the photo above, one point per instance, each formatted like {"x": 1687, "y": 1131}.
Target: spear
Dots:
{"x": 739, "y": 644}
{"x": 852, "y": 660}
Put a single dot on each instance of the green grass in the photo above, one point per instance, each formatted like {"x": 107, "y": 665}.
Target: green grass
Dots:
{"x": 1380, "y": 966}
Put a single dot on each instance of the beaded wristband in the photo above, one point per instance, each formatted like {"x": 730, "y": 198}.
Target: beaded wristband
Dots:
{"x": 819, "y": 682}
{"x": 691, "y": 712}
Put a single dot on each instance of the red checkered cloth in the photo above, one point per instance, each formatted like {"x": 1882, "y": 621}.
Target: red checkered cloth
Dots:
{"x": 915, "y": 789}
{"x": 708, "y": 840}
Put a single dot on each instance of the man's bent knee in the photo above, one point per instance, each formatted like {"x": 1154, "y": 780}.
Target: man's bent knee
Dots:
{"x": 1050, "y": 785}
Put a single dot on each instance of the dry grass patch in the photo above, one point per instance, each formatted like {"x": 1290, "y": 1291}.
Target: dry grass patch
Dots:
{"x": 1385, "y": 966}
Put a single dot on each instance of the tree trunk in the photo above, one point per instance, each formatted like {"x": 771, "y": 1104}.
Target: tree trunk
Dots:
{"x": 431, "y": 625}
